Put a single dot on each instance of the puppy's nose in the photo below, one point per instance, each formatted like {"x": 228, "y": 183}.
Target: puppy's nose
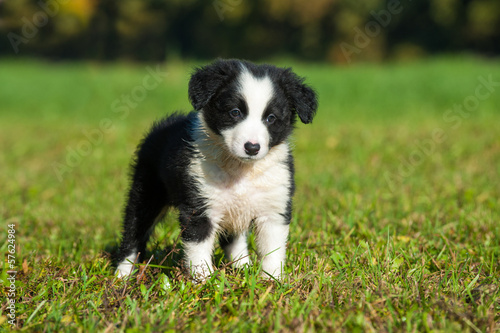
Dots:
{"x": 252, "y": 149}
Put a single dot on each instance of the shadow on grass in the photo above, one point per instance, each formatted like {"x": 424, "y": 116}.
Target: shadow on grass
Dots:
{"x": 159, "y": 259}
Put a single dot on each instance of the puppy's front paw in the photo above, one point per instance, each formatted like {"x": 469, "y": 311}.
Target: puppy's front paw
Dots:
{"x": 272, "y": 270}
{"x": 200, "y": 272}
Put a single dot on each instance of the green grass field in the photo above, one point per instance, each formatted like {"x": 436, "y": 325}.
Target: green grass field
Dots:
{"x": 396, "y": 217}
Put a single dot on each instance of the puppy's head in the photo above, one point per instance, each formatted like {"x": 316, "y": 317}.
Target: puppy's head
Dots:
{"x": 252, "y": 107}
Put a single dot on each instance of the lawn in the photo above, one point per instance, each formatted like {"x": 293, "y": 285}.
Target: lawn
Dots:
{"x": 396, "y": 217}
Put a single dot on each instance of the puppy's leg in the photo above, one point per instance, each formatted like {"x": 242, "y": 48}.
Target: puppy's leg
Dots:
{"x": 198, "y": 238}
{"x": 199, "y": 257}
{"x": 145, "y": 204}
{"x": 236, "y": 249}
{"x": 271, "y": 237}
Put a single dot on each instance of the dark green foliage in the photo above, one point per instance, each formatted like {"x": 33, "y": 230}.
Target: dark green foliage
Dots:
{"x": 337, "y": 31}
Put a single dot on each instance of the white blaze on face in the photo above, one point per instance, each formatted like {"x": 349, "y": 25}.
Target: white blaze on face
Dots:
{"x": 257, "y": 92}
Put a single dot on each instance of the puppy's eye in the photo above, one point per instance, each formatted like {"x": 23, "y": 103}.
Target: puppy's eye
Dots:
{"x": 235, "y": 113}
{"x": 271, "y": 119}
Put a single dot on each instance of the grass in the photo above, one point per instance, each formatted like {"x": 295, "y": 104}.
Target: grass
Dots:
{"x": 395, "y": 225}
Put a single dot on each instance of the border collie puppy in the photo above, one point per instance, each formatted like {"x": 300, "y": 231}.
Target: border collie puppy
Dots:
{"x": 227, "y": 167}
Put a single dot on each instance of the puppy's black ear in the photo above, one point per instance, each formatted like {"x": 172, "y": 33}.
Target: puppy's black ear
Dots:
{"x": 206, "y": 81}
{"x": 302, "y": 98}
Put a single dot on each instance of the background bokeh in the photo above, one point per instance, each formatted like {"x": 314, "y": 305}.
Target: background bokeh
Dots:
{"x": 336, "y": 31}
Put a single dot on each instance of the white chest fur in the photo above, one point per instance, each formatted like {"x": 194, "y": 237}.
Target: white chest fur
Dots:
{"x": 239, "y": 192}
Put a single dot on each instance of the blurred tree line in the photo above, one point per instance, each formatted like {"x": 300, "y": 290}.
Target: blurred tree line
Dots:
{"x": 321, "y": 30}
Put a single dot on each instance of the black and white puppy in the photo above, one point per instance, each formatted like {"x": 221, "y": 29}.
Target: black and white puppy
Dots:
{"x": 227, "y": 167}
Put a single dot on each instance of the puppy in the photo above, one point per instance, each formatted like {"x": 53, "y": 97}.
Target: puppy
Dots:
{"x": 226, "y": 167}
